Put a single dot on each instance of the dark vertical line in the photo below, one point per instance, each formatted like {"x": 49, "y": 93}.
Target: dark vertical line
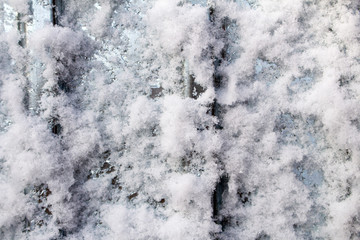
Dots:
{"x": 22, "y": 30}
{"x": 54, "y": 13}
{"x": 222, "y": 184}
{"x": 55, "y": 126}
{"x": 21, "y": 26}
{"x": 54, "y": 122}
{"x": 220, "y": 188}
{"x": 190, "y": 88}
{"x": 56, "y": 10}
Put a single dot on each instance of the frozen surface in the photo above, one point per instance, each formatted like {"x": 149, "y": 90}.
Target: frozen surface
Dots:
{"x": 164, "y": 119}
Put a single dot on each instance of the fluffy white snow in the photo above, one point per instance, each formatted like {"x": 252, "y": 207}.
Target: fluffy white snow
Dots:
{"x": 180, "y": 119}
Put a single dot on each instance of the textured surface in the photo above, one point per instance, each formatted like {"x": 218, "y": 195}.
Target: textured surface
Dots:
{"x": 165, "y": 119}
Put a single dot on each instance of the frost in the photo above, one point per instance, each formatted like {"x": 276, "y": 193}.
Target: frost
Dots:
{"x": 188, "y": 119}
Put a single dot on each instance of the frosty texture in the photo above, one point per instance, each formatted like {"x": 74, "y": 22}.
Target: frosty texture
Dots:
{"x": 164, "y": 119}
